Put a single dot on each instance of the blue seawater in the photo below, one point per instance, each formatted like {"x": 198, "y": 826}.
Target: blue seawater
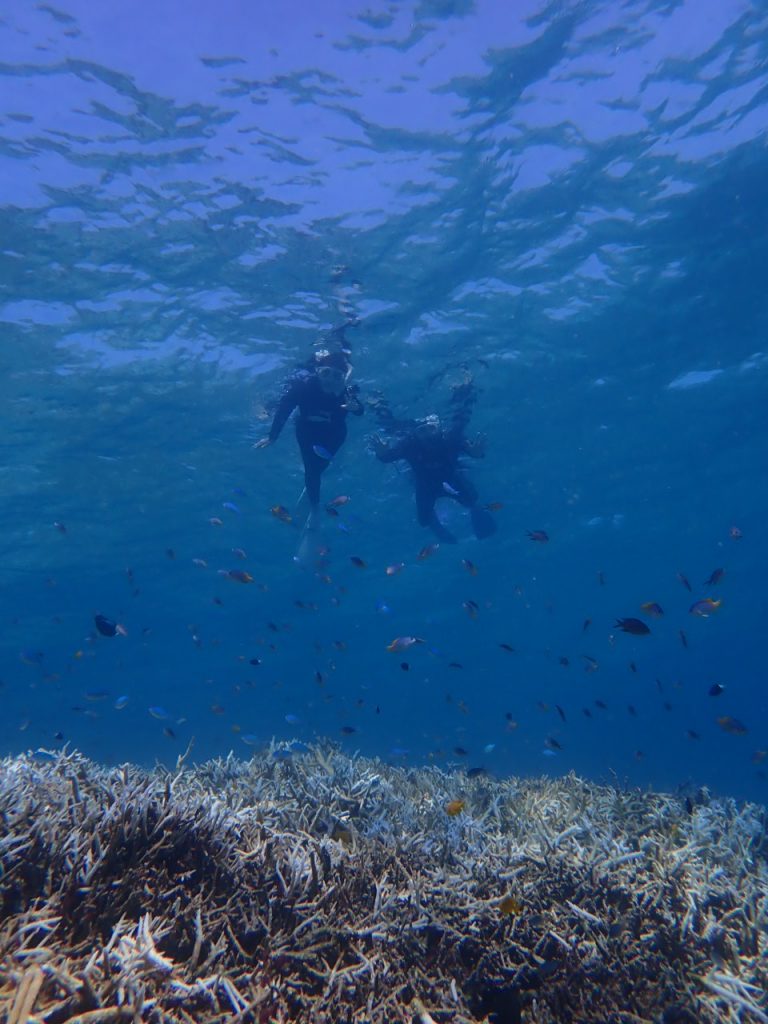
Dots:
{"x": 565, "y": 201}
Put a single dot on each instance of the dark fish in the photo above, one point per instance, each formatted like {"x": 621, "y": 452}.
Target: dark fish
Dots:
{"x": 356, "y": 560}
{"x": 684, "y": 580}
{"x": 560, "y": 711}
{"x": 585, "y": 625}
{"x": 562, "y": 660}
{"x": 105, "y": 626}
{"x": 632, "y": 710}
{"x": 715, "y": 689}
{"x": 601, "y": 578}
{"x": 586, "y": 712}
{"x": 692, "y": 735}
{"x": 541, "y": 536}
{"x": 507, "y": 647}
{"x": 715, "y": 576}
{"x": 348, "y": 730}
{"x": 683, "y": 638}
{"x": 474, "y": 773}
{"x": 405, "y": 666}
{"x": 634, "y": 626}
{"x": 552, "y": 743}
{"x": 455, "y": 664}
{"x": 460, "y": 752}
{"x": 601, "y": 704}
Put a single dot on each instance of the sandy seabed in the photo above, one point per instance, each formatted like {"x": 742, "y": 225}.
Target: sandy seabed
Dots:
{"x": 330, "y": 889}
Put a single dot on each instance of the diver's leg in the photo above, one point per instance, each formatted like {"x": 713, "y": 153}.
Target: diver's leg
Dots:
{"x": 483, "y": 522}
{"x": 425, "y": 512}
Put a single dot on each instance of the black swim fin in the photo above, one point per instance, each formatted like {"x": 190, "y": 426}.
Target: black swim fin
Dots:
{"x": 483, "y": 522}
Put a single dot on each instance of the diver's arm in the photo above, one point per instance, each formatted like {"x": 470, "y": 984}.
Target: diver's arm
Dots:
{"x": 288, "y": 402}
{"x": 351, "y": 402}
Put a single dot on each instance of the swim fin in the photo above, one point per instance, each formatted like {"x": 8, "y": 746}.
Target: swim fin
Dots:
{"x": 483, "y": 522}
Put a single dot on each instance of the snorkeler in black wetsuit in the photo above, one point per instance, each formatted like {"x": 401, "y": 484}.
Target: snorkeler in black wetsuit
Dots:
{"x": 433, "y": 454}
{"x": 323, "y": 397}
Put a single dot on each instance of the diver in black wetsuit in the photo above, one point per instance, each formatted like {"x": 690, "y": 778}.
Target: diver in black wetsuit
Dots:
{"x": 433, "y": 452}
{"x": 323, "y": 397}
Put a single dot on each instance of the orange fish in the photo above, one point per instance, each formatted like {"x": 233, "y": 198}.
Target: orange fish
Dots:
{"x": 239, "y": 575}
{"x": 511, "y": 906}
{"x": 454, "y": 807}
{"x": 652, "y": 608}
{"x": 705, "y": 607}
{"x": 426, "y": 551}
{"x": 402, "y": 643}
{"x": 732, "y": 725}
{"x": 281, "y": 512}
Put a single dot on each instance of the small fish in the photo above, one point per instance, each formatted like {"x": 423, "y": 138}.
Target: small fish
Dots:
{"x": 230, "y": 506}
{"x": 684, "y": 580}
{"x": 540, "y": 536}
{"x": 427, "y": 551}
{"x": 705, "y": 607}
{"x": 732, "y": 725}
{"x": 299, "y": 748}
{"x": 121, "y": 702}
{"x": 170, "y": 553}
{"x": 759, "y": 756}
{"x": 322, "y": 453}
{"x": 489, "y": 748}
{"x": 454, "y": 807}
{"x": 96, "y": 695}
{"x": 239, "y": 553}
{"x": 494, "y": 506}
{"x": 632, "y": 710}
{"x": 348, "y": 730}
{"x": 590, "y": 664}
{"x": 449, "y": 489}
{"x": 585, "y": 625}
{"x": 634, "y": 626}
{"x": 507, "y": 647}
{"x": 250, "y": 739}
{"x": 281, "y": 754}
{"x": 714, "y": 577}
{"x": 239, "y": 575}
{"x": 469, "y": 566}
{"x": 552, "y": 743}
{"x": 471, "y": 608}
{"x": 107, "y": 627}
{"x": 601, "y": 704}
{"x": 402, "y": 643}
{"x": 200, "y": 563}
{"x": 60, "y": 527}
{"x": 392, "y": 570}
{"x": 281, "y": 512}
{"x": 601, "y": 577}
{"x": 476, "y": 772}
{"x": 383, "y": 608}
{"x": 565, "y": 662}
{"x": 292, "y": 719}
{"x": 356, "y": 560}
{"x": 157, "y": 712}
{"x": 460, "y": 752}
{"x": 405, "y": 666}
{"x": 735, "y": 533}
{"x": 510, "y": 906}
{"x": 455, "y": 664}
{"x": 652, "y": 608}
{"x": 168, "y": 731}
{"x": 215, "y": 521}
{"x": 342, "y": 499}
{"x": 683, "y": 638}
{"x": 715, "y": 690}
{"x": 692, "y": 735}
{"x": 560, "y": 711}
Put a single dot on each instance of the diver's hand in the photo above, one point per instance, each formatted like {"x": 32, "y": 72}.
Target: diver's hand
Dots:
{"x": 263, "y": 442}
{"x": 476, "y": 447}
{"x": 378, "y": 444}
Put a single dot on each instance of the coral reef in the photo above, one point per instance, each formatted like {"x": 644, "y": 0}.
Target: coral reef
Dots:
{"x": 325, "y": 888}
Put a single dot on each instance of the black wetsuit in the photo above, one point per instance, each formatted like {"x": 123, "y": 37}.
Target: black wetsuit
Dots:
{"x": 434, "y": 462}
{"x": 320, "y": 425}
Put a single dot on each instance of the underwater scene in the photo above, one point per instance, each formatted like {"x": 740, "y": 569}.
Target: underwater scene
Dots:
{"x": 384, "y": 408}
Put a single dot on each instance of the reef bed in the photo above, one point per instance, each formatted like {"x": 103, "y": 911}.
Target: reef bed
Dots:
{"x": 328, "y": 888}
